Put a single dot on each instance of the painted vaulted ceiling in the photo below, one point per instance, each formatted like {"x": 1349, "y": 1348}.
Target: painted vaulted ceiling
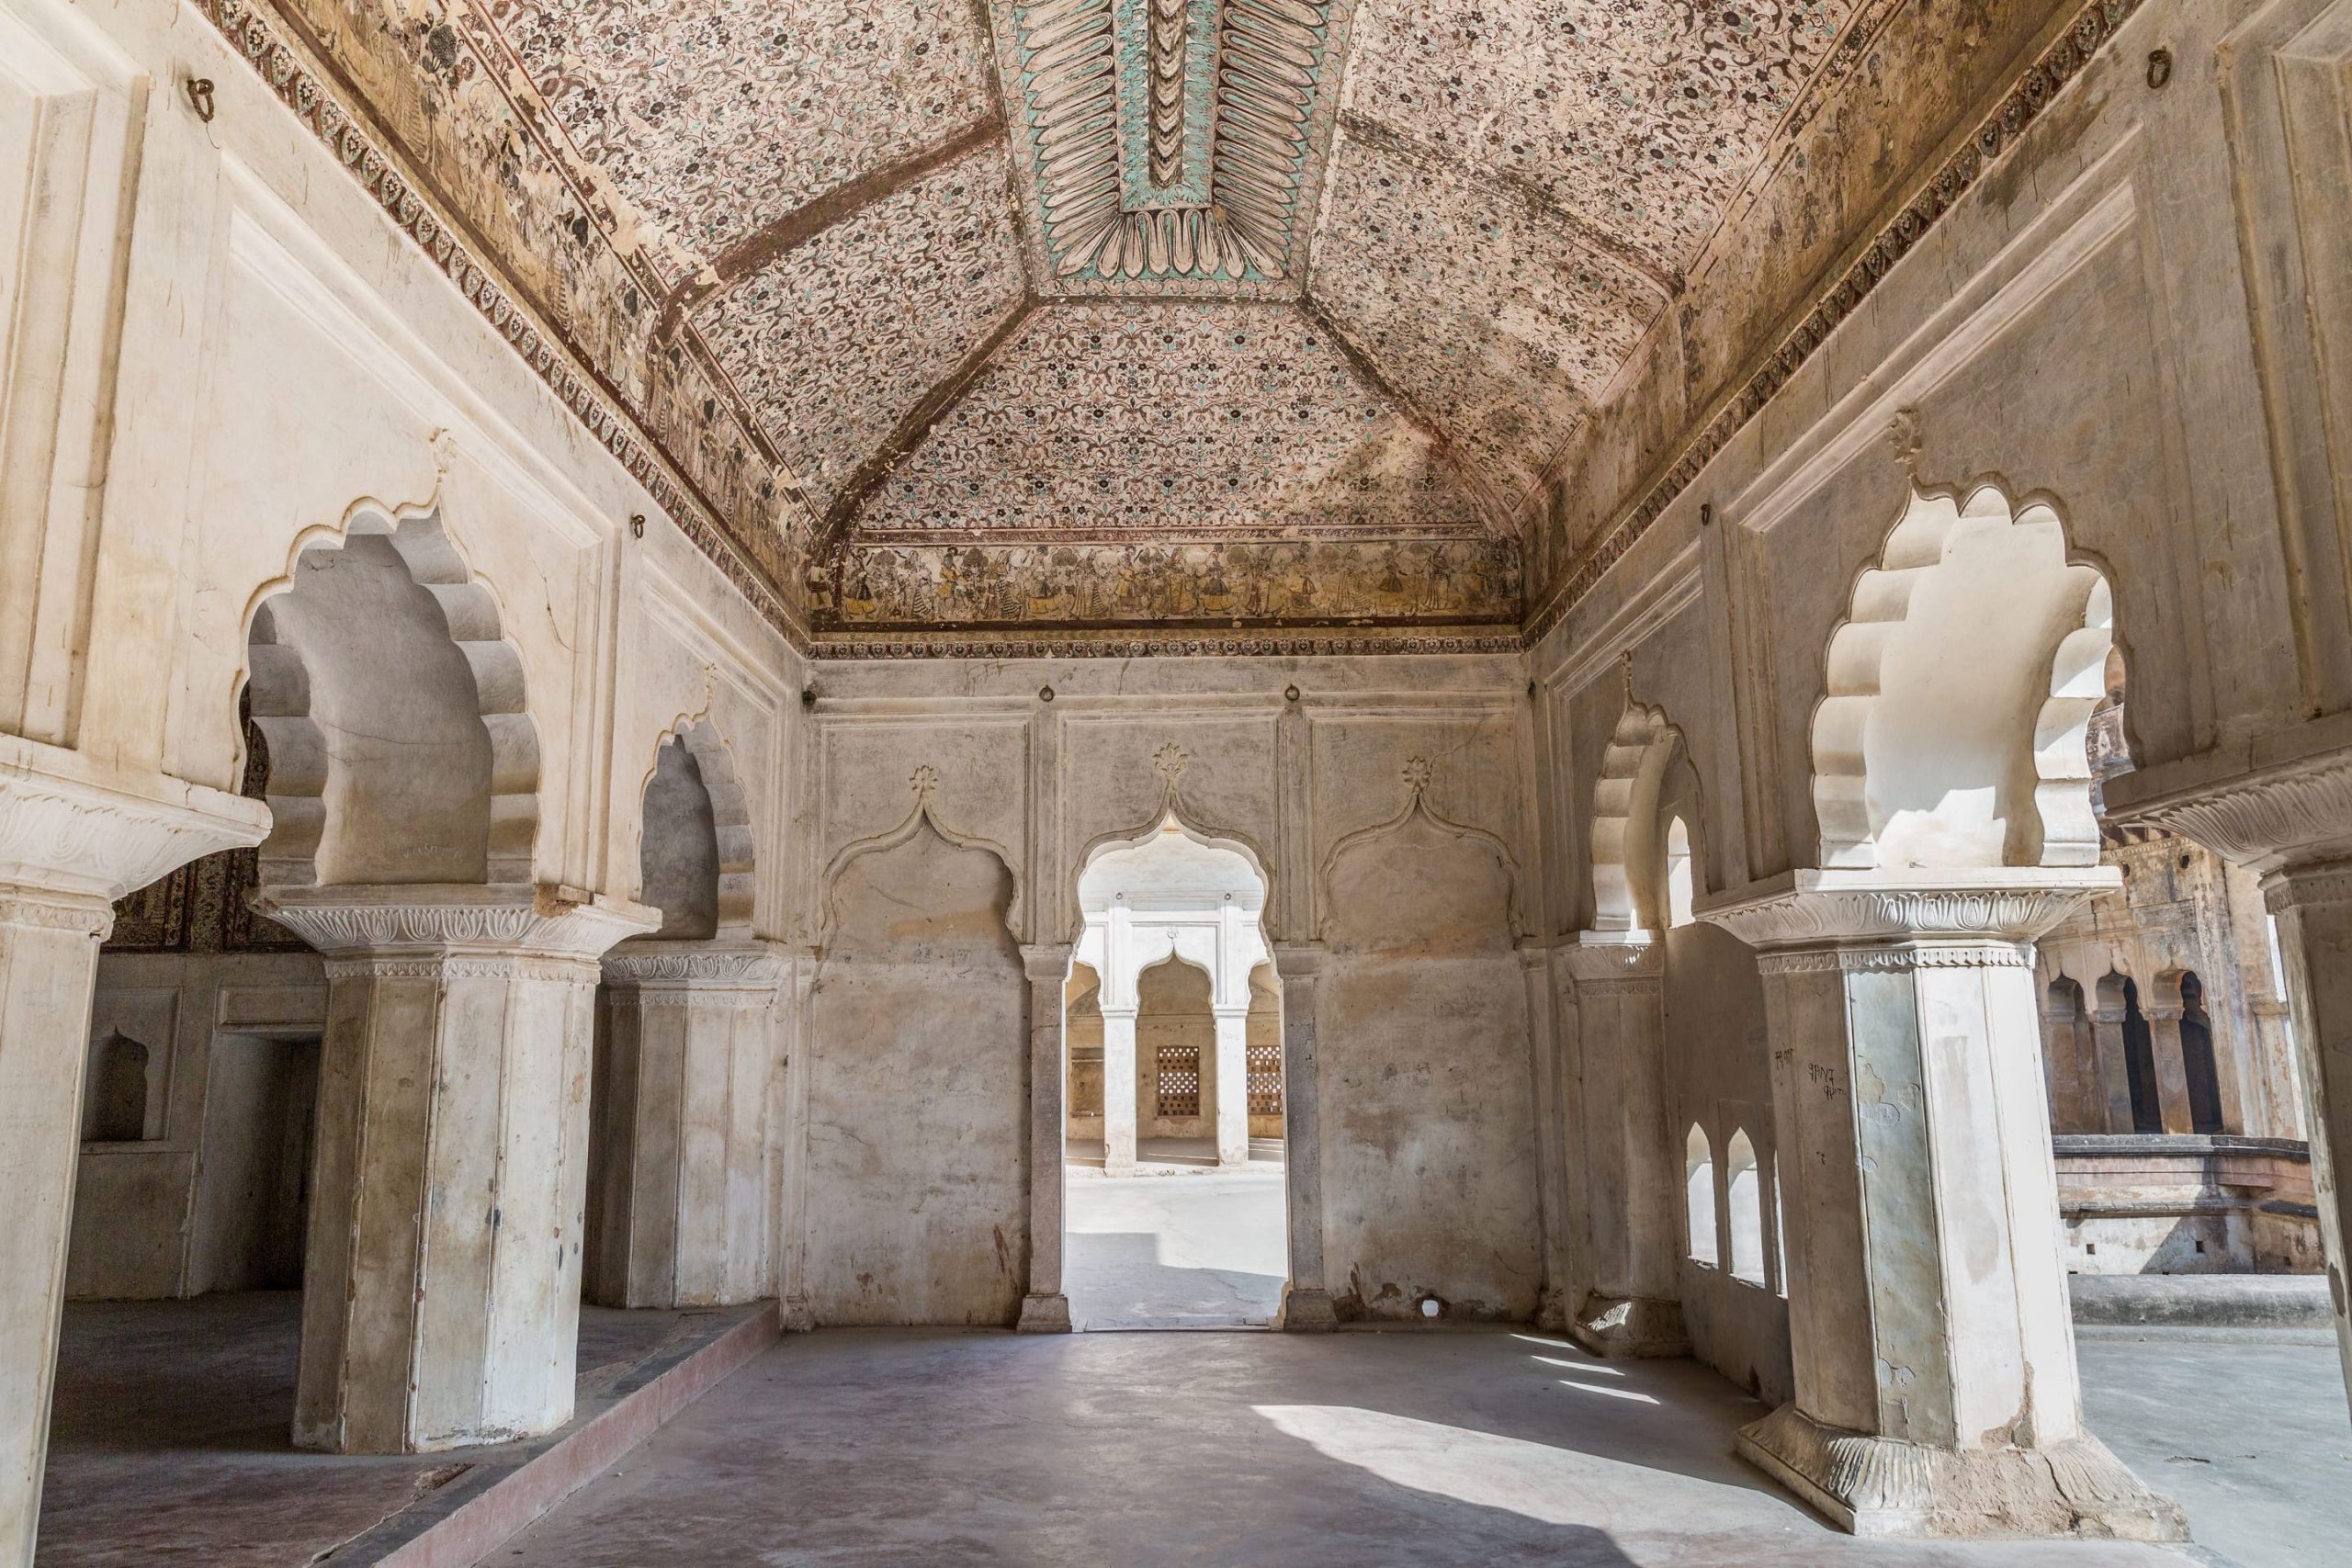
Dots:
{"x": 1089, "y": 314}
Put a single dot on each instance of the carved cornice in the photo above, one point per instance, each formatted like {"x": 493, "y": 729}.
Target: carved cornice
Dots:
{"x": 749, "y": 970}
{"x": 1597, "y": 959}
{"x": 1941, "y": 916}
{"x": 85, "y": 914}
{"x": 1996, "y": 135}
{"x": 1897, "y": 957}
{"x": 2300, "y": 810}
{"x": 429, "y": 922}
{"x": 1146, "y": 643}
{"x": 570, "y": 971}
{"x": 68, "y": 825}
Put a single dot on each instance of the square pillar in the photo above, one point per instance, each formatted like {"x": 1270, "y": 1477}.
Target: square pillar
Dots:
{"x": 1119, "y": 1090}
{"x": 73, "y": 837}
{"x": 686, "y": 1060}
{"x": 2312, "y": 905}
{"x": 1929, "y": 1327}
{"x": 1044, "y": 1309}
{"x": 2114, "y": 1065}
{"x": 1307, "y": 1298}
{"x": 1232, "y": 1085}
{"x": 1631, "y": 1303}
{"x": 441, "y": 1291}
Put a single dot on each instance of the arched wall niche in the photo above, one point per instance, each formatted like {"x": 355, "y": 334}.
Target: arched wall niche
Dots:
{"x": 696, "y": 838}
{"x": 1417, "y": 816}
{"x": 1422, "y": 1014}
{"x": 1960, "y": 689}
{"x": 401, "y": 747}
{"x": 914, "y": 1165}
{"x": 1625, "y": 813}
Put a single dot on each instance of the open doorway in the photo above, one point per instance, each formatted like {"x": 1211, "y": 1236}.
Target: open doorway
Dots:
{"x": 1174, "y": 1142}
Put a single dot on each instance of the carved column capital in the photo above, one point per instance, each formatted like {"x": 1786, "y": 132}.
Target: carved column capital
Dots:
{"x": 1046, "y": 962}
{"x": 1609, "y": 958}
{"x": 1299, "y": 960}
{"x": 69, "y": 826}
{"x": 752, "y": 968}
{"x": 426, "y": 921}
{"x": 1806, "y": 921}
{"x": 2264, "y": 817}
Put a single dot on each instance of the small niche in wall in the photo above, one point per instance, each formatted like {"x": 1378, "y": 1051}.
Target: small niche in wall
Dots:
{"x": 118, "y": 1080}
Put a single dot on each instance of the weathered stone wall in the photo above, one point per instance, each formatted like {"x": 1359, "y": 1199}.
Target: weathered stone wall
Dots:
{"x": 1428, "y": 1124}
{"x": 917, "y": 1166}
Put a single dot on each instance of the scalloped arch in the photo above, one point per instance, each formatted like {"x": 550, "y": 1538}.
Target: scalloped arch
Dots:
{"x": 1417, "y": 804}
{"x": 1881, "y": 615}
{"x": 730, "y": 814}
{"x": 278, "y": 684}
{"x": 919, "y": 817}
{"x": 1625, "y": 809}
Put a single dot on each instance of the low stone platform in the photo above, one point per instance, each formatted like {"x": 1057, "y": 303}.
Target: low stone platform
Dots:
{"x": 2201, "y": 1300}
{"x": 169, "y": 1440}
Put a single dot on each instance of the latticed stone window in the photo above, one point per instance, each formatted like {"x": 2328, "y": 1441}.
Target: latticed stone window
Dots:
{"x": 1266, "y": 1079}
{"x": 1180, "y": 1080}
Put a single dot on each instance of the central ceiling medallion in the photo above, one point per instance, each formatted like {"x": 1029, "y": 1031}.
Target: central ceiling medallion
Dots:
{"x": 1170, "y": 146}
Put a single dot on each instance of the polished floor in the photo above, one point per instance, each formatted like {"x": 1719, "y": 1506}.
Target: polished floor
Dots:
{"x": 1429, "y": 1449}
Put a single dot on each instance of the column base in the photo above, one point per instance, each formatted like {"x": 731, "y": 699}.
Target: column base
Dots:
{"x": 1551, "y": 1311}
{"x": 797, "y": 1316}
{"x": 1630, "y": 1327}
{"x": 1880, "y": 1486}
{"x": 1306, "y": 1312}
{"x": 1044, "y": 1314}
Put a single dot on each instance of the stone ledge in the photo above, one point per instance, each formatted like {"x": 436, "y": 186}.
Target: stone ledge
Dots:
{"x": 2201, "y": 1300}
{"x": 468, "y": 1518}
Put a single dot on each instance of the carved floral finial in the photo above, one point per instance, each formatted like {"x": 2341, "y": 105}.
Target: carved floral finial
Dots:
{"x": 925, "y": 780}
{"x": 1171, "y": 759}
{"x": 1417, "y": 773}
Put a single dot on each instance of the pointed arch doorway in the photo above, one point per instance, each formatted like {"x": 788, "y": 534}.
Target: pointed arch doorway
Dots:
{"x": 1173, "y": 1145}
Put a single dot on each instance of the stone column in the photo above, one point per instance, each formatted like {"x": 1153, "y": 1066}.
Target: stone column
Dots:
{"x": 1934, "y": 1355}
{"x": 1233, "y": 1086}
{"x": 73, "y": 837}
{"x": 2171, "y": 1065}
{"x": 679, "y": 1105}
{"x": 441, "y": 1287}
{"x": 1558, "y": 1293}
{"x": 1307, "y": 1298}
{"x": 2312, "y": 904}
{"x": 2114, "y": 1065}
{"x": 1119, "y": 1090}
{"x": 792, "y": 1153}
{"x": 1633, "y": 1164}
{"x": 1044, "y": 1309}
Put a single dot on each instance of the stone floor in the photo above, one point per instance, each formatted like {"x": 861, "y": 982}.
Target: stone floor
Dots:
{"x": 875, "y": 1449}
{"x": 1190, "y": 1248}
{"x": 168, "y": 1437}
{"x": 2246, "y": 1426}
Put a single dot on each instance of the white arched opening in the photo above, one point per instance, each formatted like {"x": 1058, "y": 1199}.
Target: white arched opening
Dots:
{"x": 1745, "y": 1208}
{"x": 1171, "y": 924}
{"x": 1699, "y": 1197}
{"x": 1679, "y": 883}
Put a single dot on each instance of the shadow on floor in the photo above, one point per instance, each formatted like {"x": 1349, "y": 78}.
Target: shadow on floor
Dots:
{"x": 1417, "y": 1450}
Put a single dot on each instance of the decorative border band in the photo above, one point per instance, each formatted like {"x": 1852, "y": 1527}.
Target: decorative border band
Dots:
{"x": 1142, "y": 644}
{"x": 1996, "y": 134}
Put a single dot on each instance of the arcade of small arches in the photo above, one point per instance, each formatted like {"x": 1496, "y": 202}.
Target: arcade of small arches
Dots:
{"x": 467, "y": 948}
